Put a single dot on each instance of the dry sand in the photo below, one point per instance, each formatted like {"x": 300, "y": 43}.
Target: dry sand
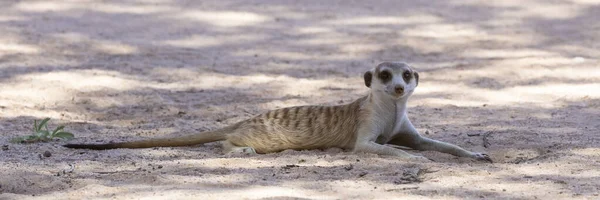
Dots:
{"x": 524, "y": 74}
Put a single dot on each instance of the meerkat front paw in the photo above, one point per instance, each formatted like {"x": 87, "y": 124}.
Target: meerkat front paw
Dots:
{"x": 482, "y": 157}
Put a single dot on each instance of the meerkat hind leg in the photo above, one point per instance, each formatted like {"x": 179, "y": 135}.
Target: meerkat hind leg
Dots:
{"x": 230, "y": 148}
{"x": 244, "y": 150}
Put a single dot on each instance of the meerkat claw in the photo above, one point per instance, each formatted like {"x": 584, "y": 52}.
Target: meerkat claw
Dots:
{"x": 483, "y": 157}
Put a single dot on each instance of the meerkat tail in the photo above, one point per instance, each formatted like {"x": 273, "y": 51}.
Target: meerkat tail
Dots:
{"x": 188, "y": 140}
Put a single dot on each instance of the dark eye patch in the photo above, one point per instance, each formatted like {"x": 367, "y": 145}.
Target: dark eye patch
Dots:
{"x": 406, "y": 76}
{"x": 385, "y": 76}
{"x": 368, "y": 76}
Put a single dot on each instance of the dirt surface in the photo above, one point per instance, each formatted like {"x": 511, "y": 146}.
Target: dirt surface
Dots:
{"x": 522, "y": 75}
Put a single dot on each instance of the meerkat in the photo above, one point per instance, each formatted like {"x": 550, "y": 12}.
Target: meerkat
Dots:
{"x": 365, "y": 125}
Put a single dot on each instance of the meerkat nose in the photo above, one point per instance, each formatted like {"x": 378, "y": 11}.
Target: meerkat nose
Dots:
{"x": 399, "y": 89}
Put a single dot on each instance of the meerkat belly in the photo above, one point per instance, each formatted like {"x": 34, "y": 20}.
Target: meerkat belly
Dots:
{"x": 298, "y": 128}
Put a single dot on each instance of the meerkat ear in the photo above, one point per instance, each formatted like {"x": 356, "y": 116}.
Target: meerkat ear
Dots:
{"x": 416, "y": 77}
{"x": 368, "y": 77}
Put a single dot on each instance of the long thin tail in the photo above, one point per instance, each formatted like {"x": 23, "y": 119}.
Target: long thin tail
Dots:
{"x": 188, "y": 140}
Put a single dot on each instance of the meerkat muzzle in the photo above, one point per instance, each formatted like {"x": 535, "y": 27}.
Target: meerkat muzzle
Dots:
{"x": 399, "y": 90}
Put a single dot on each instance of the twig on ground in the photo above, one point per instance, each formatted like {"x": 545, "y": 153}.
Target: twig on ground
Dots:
{"x": 115, "y": 172}
{"x": 486, "y": 142}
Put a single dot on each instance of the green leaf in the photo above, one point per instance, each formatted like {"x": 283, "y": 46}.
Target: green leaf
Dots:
{"x": 64, "y": 135}
{"x": 58, "y": 129}
{"x": 30, "y": 138}
{"x": 42, "y": 134}
{"x": 43, "y": 122}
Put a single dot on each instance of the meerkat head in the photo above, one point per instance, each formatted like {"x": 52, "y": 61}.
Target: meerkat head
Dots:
{"x": 396, "y": 79}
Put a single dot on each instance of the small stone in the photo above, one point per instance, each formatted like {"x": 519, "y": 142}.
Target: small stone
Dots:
{"x": 47, "y": 154}
{"x": 4, "y": 147}
{"x": 289, "y": 166}
{"x": 349, "y": 167}
{"x": 427, "y": 132}
{"x": 160, "y": 166}
{"x": 362, "y": 174}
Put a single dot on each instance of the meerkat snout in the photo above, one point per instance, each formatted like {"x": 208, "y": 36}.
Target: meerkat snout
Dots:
{"x": 399, "y": 90}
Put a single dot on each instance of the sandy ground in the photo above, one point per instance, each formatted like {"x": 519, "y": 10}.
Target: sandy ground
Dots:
{"x": 524, "y": 74}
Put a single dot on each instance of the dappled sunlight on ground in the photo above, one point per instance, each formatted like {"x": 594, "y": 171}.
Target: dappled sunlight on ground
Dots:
{"x": 523, "y": 76}
{"x": 225, "y": 18}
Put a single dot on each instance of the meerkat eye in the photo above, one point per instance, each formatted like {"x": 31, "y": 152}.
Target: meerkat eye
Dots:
{"x": 385, "y": 75}
{"x": 406, "y": 74}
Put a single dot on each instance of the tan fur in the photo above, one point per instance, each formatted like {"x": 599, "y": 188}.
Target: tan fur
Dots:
{"x": 364, "y": 125}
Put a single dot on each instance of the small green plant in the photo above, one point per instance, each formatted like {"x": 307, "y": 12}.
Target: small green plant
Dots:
{"x": 43, "y": 134}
